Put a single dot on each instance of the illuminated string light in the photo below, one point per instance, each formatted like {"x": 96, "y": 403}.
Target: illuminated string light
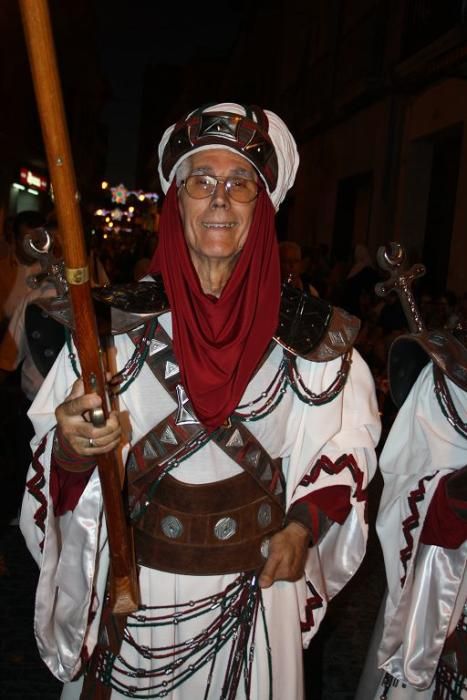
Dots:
{"x": 114, "y": 218}
{"x": 120, "y": 194}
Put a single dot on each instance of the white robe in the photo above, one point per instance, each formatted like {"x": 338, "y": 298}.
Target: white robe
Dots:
{"x": 74, "y": 557}
{"x": 421, "y": 613}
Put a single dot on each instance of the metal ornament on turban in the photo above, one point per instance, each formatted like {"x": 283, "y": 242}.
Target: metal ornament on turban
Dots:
{"x": 258, "y": 135}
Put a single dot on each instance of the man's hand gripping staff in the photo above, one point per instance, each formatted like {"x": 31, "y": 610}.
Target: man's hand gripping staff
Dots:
{"x": 123, "y": 579}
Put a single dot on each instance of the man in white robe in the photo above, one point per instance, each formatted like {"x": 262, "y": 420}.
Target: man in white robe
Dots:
{"x": 419, "y": 642}
{"x": 235, "y": 630}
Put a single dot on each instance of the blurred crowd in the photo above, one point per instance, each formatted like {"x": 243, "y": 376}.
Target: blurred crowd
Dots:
{"x": 351, "y": 285}
{"x": 125, "y": 259}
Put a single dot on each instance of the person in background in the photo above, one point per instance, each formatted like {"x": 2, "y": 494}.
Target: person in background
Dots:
{"x": 16, "y": 264}
{"x": 359, "y": 286}
{"x": 31, "y": 343}
{"x": 420, "y": 640}
{"x": 290, "y": 256}
{"x": 28, "y": 348}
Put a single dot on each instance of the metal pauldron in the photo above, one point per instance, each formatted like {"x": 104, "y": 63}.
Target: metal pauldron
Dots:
{"x": 312, "y": 328}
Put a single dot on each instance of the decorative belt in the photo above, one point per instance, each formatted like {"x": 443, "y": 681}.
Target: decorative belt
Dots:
{"x": 217, "y": 528}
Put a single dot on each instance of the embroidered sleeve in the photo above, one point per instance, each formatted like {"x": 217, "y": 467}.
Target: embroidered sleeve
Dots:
{"x": 443, "y": 526}
{"x": 67, "y": 486}
{"x": 318, "y": 509}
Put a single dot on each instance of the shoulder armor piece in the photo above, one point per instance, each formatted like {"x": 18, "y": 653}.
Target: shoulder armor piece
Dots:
{"x": 308, "y": 327}
{"x": 312, "y": 328}
{"x": 131, "y": 304}
{"x": 410, "y": 352}
{"x": 136, "y": 297}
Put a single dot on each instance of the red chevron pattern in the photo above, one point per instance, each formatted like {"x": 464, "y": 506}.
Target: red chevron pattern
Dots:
{"x": 35, "y": 486}
{"x": 412, "y": 522}
{"x": 313, "y": 602}
{"x": 345, "y": 461}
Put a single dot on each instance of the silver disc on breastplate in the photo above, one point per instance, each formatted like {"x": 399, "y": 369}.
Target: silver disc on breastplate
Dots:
{"x": 264, "y": 515}
{"x": 171, "y": 527}
{"x": 225, "y": 528}
{"x": 265, "y": 548}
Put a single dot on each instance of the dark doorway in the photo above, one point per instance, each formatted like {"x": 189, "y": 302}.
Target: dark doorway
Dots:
{"x": 353, "y": 211}
{"x": 441, "y": 205}
{"x": 430, "y": 202}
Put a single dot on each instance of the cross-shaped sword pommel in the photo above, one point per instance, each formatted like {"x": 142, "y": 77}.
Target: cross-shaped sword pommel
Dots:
{"x": 40, "y": 245}
{"x": 391, "y": 258}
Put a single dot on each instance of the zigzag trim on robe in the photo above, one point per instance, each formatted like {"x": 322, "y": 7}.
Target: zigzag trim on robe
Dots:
{"x": 313, "y": 602}
{"x": 412, "y": 522}
{"x": 344, "y": 462}
{"x": 35, "y": 486}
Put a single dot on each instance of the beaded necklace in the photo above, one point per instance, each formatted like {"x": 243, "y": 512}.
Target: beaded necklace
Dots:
{"x": 288, "y": 375}
{"x": 295, "y": 380}
{"x": 132, "y": 368}
{"x": 126, "y": 376}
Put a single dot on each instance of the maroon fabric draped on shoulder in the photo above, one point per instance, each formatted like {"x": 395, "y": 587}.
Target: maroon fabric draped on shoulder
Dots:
{"x": 219, "y": 342}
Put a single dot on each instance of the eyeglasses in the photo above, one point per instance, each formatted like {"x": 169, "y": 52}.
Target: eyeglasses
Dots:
{"x": 241, "y": 189}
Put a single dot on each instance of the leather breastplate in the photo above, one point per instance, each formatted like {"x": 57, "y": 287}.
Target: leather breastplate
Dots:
{"x": 214, "y": 528}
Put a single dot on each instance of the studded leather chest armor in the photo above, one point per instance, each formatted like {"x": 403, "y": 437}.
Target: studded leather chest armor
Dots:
{"x": 214, "y": 528}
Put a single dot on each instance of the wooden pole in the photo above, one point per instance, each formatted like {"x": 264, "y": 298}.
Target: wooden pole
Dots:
{"x": 39, "y": 41}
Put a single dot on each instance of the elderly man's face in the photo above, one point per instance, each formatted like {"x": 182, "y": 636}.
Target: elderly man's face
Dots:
{"x": 216, "y": 227}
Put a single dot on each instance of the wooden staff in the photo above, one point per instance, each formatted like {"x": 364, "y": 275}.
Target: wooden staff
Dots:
{"x": 39, "y": 41}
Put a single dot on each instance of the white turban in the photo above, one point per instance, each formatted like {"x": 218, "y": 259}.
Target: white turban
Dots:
{"x": 282, "y": 140}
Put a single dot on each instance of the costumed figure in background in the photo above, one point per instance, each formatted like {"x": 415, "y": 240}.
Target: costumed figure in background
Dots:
{"x": 253, "y": 427}
{"x": 17, "y": 265}
{"x": 32, "y": 338}
{"x": 421, "y": 643}
{"x": 31, "y": 342}
{"x": 291, "y": 265}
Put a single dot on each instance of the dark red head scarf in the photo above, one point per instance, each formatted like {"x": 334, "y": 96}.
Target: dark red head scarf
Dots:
{"x": 219, "y": 342}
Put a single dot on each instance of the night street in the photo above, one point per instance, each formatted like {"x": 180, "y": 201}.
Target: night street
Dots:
{"x": 23, "y": 675}
{"x": 233, "y": 342}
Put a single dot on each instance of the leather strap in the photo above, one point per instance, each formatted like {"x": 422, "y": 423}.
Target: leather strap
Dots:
{"x": 180, "y": 434}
